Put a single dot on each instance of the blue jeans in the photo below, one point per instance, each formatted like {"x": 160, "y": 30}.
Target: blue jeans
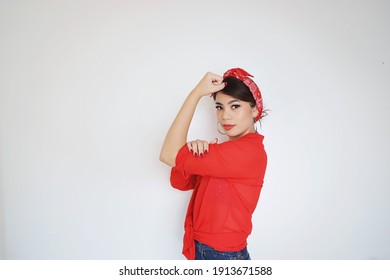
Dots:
{"x": 204, "y": 252}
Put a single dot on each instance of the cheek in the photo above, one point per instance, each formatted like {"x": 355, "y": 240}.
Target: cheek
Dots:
{"x": 219, "y": 115}
{"x": 246, "y": 116}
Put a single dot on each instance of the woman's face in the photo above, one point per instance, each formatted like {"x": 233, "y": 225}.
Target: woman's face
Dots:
{"x": 236, "y": 116}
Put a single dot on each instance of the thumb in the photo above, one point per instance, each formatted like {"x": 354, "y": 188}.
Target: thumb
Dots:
{"x": 215, "y": 141}
{"x": 219, "y": 86}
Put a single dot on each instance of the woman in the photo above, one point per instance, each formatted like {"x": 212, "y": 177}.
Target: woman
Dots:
{"x": 226, "y": 178}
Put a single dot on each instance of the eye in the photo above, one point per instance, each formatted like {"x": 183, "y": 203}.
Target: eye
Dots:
{"x": 236, "y": 106}
{"x": 218, "y": 107}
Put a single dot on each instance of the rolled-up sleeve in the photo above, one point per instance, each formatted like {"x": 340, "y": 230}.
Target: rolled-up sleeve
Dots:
{"x": 180, "y": 179}
{"x": 231, "y": 159}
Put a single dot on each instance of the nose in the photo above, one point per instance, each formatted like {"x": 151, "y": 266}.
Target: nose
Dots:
{"x": 226, "y": 115}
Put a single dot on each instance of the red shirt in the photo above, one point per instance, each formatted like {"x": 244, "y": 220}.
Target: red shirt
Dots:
{"x": 226, "y": 185}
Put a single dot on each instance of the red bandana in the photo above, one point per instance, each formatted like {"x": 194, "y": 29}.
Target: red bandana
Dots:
{"x": 244, "y": 77}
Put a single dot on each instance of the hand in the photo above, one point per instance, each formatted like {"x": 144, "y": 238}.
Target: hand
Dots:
{"x": 200, "y": 147}
{"x": 209, "y": 84}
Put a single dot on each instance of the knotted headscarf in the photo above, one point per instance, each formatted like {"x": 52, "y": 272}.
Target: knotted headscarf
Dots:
{"x": 254, "y": 89}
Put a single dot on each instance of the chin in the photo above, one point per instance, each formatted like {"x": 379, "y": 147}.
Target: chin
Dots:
{"x": 234, "y": 135}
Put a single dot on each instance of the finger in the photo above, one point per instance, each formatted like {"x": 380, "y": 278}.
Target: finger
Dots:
{"x": 214, "y": 77}
{"x": 189, "y": 146}
{"x": 200, "y": 146}
{"x": 195, "y": 151}
{"x": 214, "y": 141}
{"x": 192, "y": 147}
{"x": 218, "y": 87}
{"x": 217, "y": 80}
{"x": 205, "y": 147}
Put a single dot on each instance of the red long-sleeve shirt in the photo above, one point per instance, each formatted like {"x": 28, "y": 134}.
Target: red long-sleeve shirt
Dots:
{"x": 226, "y": 185}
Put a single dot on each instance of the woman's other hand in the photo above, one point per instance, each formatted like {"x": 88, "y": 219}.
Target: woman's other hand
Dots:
{"x": 200, "y": 147}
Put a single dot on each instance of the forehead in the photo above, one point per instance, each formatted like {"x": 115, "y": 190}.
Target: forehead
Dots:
{"x": 224, "y": 98}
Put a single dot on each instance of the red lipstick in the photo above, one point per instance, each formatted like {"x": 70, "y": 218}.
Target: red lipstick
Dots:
{"x": 228, "y": 126}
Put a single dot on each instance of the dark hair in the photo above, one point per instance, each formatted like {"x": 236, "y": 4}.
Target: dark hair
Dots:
{"x": 237, "y": 89}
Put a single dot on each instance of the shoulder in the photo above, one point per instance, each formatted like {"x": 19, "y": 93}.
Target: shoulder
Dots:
{"x": 253, "y": 137}
{"x": 250, "y": 140}
{"x": 248, "y": 147}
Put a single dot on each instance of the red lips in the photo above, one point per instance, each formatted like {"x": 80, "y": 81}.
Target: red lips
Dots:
{"x": 228, "y": 126}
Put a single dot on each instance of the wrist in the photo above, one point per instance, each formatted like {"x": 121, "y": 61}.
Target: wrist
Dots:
{"x": 196, "y": 93}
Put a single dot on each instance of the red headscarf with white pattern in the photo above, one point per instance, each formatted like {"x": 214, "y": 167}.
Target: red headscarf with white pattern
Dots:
{"x": 254, "y": 89}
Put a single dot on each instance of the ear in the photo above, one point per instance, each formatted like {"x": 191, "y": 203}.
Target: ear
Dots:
{"x": 255, "y": 112}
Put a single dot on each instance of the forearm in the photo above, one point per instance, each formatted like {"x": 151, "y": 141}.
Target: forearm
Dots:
{"x": 177, "y": 134}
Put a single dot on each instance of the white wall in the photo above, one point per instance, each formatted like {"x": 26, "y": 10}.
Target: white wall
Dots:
{"x": 2, "y": 216}
{"x": 88, "y": 90}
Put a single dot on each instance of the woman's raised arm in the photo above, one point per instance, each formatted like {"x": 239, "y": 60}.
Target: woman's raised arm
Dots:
{"x": 176, "y": 137}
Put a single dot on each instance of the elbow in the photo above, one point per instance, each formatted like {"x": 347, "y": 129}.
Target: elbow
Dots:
{"x": 168, "y": 161}
{"x": 162, "y": 158}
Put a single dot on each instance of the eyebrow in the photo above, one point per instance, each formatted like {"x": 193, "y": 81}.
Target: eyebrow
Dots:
{"x": 230, "y": 102}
